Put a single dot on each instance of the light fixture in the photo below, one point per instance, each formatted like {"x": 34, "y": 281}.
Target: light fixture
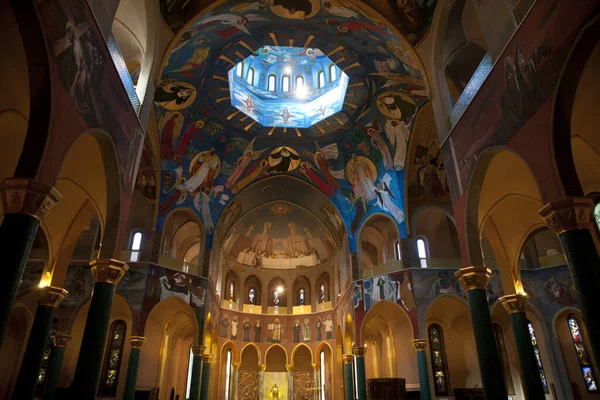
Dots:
{"x": 280, "y": 289}
{"x": 287, "y": 70}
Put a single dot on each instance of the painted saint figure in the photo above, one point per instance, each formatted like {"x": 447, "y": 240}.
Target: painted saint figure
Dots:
{"x": 234, "y": 328}
{"x": 398, "y": 133}
{"x": 306, "y": 331}
{"x": 257, "y": 331}
{"x": 224, "y": 324}
{"x": 362, "y": 174}
{"x": 242, "y": 163}
{"x": 297, "y": 331}
{"x": 373, "y": 130}
{"x": 386, "y": 199}
{"x": 246, "y": 327}
{"x": 318, "y": 325}
{"x": 328, "y": 328}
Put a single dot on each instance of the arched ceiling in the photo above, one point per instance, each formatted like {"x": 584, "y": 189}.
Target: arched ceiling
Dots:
{"x": 210, "y": 150}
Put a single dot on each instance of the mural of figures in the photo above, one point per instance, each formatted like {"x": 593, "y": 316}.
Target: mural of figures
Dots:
{"x": 560, "y": 291}
{"x": 297, "y": 9}
{"x": 275, "y": 329}
{"x": 174, "y": 95}
{"x": 428, "y": 179}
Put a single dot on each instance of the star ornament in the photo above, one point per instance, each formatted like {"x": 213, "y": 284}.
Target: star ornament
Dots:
{"x": 323, "y": 109}
{"x": 249, "y": 104}
{"x": 285, "y": 115}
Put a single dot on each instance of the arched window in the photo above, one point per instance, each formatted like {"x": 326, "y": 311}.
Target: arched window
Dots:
{"x": 441, "y": 381}
{"x": 322, "y": 293}
{"x": 397, "y": 250}
{"x": 239, "y": 69}
{"x": 41, "y": 382}
{"x": 188, "y": 385}
{"x": 231, "y": 291}
{"x": 285, "y": 83}
{"x": 332, "y": 73}
{"x": 271, "y": 83}
{"x": 112, "y": 359}
{"x": 251, "y": 296}
{"x": 299, "y": 83}
{"x": 301, "y": 298}
{"x": 228, "y": 375}
{"x": 136, "y": 245}
{"x": 321, "y": 79}
{"x": 422, "y": 251}
{"x": 538, "y": 357}
{"x": 504, "y": 365}
{"x": 250, "y": 77}
{"x": 322, "y": 374}
{"x": 597, "y": 215}
{"x": 276, "y": 298}
{"x": 587, "y": 370}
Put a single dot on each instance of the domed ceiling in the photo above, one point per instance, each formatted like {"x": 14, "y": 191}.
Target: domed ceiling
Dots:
{"x": 211, "y": 150}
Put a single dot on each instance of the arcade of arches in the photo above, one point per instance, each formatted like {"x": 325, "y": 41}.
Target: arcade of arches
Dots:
{"x": 299, "y": 199}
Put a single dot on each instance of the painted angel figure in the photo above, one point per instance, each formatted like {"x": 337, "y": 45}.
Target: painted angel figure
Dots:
{"x": 398, "y": 133}
{"x": 373, "y": 130}
{"x": 385, "y": 199}
{"x": 236, "y": 23}
{"x": 204, "y": 171}
{"x": 242, "y": 163}
{"x": 321, "y": 159}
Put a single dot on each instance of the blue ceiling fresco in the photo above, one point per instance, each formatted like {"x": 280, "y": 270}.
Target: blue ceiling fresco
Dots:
{"x": 292, "y": 87}
{"x": 211, "y": 150}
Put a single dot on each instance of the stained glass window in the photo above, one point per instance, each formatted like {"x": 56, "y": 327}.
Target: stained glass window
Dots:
{"x": 251, "y": 296}
{"x": 231, "y": 291}
{"x": 504, "y": 365}
{"x": 582, "y": 355}
{"x": 322, "y": 293}
{"x": 597, "y": 214}
{"x": 538, "y": 356}
{"x": 301, "y": 297}
{"x": 41, "y": 382}
{"x": 441, "y": 381}
{"x": 276, "y": 298}
{"x": 112, "y": 360}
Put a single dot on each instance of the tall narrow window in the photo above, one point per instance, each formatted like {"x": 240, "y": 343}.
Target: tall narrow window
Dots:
{"x": 538, "y": 357}
{"x": 299, "y": 83}
{"x": 322, "y": 375}
{"x": 285, "y": 84}
{"x": 276, "y": 298}
{"x": 422, "y": 251}
{"x": 322, "y": 293}
{"x": 136, "y": 246}
{"x": 597, "y": 214}
{"x": 251, "y": 296}
{"x": 441, "y": 381}
{"x": 271, "y": 84}
{"x": 228, "y": 375}
{"x": 301, "y": 297}
{"x": 582, "y": 356}
{"x": 112, "y": 359}
{"x": 41, "y": 382}
{"x": 188, "y": 385}
{"x": 397, "y": 250}
{"x": 250, "y": 77}
{"x": 504, "y": 365}
{"x": 231, "y": 291}
{"x": 321, "y": 79}
{"x": 332, "y": 73}
{"x": 239, "y": 69}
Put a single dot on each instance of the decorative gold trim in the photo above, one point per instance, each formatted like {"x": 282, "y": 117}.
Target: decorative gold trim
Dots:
{"x": 262, "y": 367}
{"x": 419, "y": 344}
{"x": 61, "y": 340}
{"x": 514, "y": 303}
{"x": 198, "y": 349}
{"x": 473, "y": 277}
{"x": 207, "y": 358}
{"x": 570, "y": 214}
{"x": 26, "y": 196}
{"x": 137, "y": 341}
{"x": 348, "y": 358}
{"x": 108, "y": 270}
{"x": 359, "y": 351}
{"x": 235, "y": 365}
{"x": 289, "y": 367}
{"x": 51, "y": 296}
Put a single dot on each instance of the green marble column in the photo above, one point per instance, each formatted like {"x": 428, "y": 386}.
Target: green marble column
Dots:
{"x": 424, "y": 387}
{"x": 24, "y": 203}
{"x": 571, "y": 220}
{"x": 49, "y": 298}
{"x": 107, "y": 274}
{"x": 132, "y": 367}
{"x": 361, "y": 376}
{"x": 474, "y": 281}
{"x": 55, "y": 365}
{"x": 198, "y": 351}
{"x": 348, "y": 381}
{"x": 205, "y": 386}
{"x": 516, "y": 304}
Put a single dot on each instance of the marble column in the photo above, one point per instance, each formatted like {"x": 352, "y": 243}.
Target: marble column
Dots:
{"x": 289, "y": 368}
{"x": 361, "y": 377}
{"x": 205, "y": 386}
{"x": 107, "y": 273}
{"x": 424, "y": 386}
{"x": 236, "y": 380}
{"x": 474, "y": 281}
{"x": 24, "y": 203}
{"x": 571, "y": 220}
{"x": 261, "y": 380}
{"x": 516, "y": 304}
{"x": 317, "y": 387}
{"x": 55, "y": 365}
{"x": 132, "y": 367}
{"x": 49, "y": 298}
{"x": 197, "y": 351}
{"x": 348, "y": 381}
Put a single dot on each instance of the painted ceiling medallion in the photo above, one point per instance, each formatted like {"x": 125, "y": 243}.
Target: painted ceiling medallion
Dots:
{"x": 287, "y": 87}
{"x": 280, "y": 209}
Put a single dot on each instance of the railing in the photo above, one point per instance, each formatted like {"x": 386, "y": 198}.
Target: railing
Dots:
{"x": 119, "y": 62}
{"x": 481, "y": 73}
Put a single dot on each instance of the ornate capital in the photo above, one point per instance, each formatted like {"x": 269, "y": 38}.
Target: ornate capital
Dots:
{"x": 108, "y": 270}
{"x": 61, "y": 340}
{"x": 198, "y": 349}
{"x": 514, "y": 303}
{"x": 26, "y": 196}
{"x": 51, "y": 296}
{"x": 419, "y": 344}
{"x": 289, "y": 367}
{"x": 207, "y": 358}
{"x": 137, "y": 341}
{"x": 236, "y": 365}
{"x": 262, "y": 367}
{"x": 473, "y": 277}
{"x": 359, "y": 351}
{"x": 348, "y": 358}
{"x": 569, "y": 214}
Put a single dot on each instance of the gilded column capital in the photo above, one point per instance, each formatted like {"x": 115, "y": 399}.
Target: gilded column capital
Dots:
{"x": 262, "y": 367}
{"x": 514, "y": 303}
{"x": 61, "y": 340}
{"x": 198, "y": 349}
{"x": 473, "y": 277}
{"x": 348, "y": 358}
{"x": 26, "y": 196}
{"x": 137, "y": 341}
{"x": 207, "y": 358}
{"x": 289, "y": 367}
{"x": 235, "y": 365}
{"x": 569, "y": 214}
{"x": 51, "y": 296}
{"x": 359, "y": 351}
{"x": 314, "y": 366}
{"x": 419, "y": 344}
{"x": 108, "y": 270}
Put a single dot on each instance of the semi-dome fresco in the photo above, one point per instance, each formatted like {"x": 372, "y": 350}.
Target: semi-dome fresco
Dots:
{"x": 212, "y": 147}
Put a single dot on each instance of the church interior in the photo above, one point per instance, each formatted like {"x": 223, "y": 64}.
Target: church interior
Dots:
{"x": 300, "y": 199}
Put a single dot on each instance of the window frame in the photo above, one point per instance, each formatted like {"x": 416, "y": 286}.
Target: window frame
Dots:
{"x": 228, "y": 374}
{"x": 398, "y": 250}
{"x": 535, "y": 344}
{"x": 301, "y": 79}
{"x": 423, "y": 260}
{"x": 271, "y": 79}
{"x": 285, "y": 83}
{"x": 103, "y": 390}
{"x": 503, "y": 355}
{"x": 447, "y": 390}
{"x": 250, "y": 75}
{"x": 332, "y": 72}
{"x": 188, "y": 383}
{"x": 135, "y": 253}
{"x": 321, "y": 79}
{"x": 584, "y": 351}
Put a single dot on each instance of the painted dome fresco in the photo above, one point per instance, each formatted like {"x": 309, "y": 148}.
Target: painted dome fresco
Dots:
{"x": 326, "y": 92}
